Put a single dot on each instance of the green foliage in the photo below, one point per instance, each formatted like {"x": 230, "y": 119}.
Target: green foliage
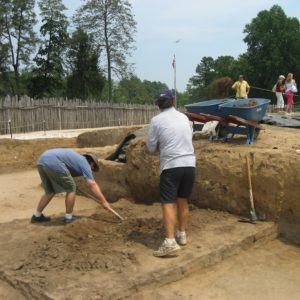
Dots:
{"x": 273, "y": 41}
{"x": 48, "y": 76}
{"x": 17, "y": 37}
{"x": 85, "y": 79}
{"x": 133, "y": 90}
{"x": 206, "y": 83}
{"x": 111, "y": 25}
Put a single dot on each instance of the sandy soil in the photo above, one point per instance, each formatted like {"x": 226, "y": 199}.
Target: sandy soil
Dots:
{"x": 98, "y": 254}
{"x": 270, "y": 272}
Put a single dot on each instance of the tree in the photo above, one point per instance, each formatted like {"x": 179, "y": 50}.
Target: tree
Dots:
{"x": 273, "y": 41}
{"x": 17, "y": 19}
{"x": 112, "y": 27}
{"x": 223, "y": 66}
{"x": 85, "y": 79}
{"x": 49, "y": 73}
{"x": 198, "y": 86}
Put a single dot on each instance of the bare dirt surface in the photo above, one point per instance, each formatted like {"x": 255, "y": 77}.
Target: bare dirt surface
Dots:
{"x": 270, "y": 272}
{"x": 100, "y": 257}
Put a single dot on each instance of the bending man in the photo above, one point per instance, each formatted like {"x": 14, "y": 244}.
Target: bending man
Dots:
{"x": 57, "y": 167}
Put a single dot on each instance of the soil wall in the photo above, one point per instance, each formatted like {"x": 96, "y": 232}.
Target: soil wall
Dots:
{"x": 20, "y": 154}
{"x": 105, "y": 136}
{"x": 221, "y": 174}
{"x": 221, "y": 180}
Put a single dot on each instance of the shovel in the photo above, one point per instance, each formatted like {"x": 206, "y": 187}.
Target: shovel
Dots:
{"x": 96, "y": 200}
{"x": 253, "y": 216}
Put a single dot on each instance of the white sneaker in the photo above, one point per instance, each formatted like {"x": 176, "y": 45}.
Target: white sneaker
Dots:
{"x": 181, "y": 239}
{"x": 167, "y": 250}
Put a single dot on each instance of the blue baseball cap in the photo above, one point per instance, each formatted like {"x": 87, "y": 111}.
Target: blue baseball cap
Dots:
{"x": 165, "y": 94}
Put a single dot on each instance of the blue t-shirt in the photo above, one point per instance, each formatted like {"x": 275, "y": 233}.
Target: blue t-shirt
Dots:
{"x": 63, "y": 160}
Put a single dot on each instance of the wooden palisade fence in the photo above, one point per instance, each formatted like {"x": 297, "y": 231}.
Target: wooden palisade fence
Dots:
{"x": 28, "y": 115}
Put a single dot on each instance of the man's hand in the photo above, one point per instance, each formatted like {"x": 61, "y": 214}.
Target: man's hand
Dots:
{"x": 105, "y": 204}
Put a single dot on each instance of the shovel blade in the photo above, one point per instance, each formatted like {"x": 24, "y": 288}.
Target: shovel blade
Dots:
{"x": 253, "y": 216}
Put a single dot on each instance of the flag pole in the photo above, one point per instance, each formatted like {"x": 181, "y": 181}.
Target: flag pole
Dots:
{"x": 174, "y": 67}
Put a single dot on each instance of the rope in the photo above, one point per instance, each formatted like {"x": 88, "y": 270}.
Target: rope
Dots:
{"x": 257, "y": 88}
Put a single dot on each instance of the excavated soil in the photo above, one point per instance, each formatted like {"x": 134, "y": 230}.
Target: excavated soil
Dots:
{"x": 100, "y": 257}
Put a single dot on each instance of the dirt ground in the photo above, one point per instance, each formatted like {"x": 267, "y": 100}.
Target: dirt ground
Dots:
{"x": 100, "y": 257}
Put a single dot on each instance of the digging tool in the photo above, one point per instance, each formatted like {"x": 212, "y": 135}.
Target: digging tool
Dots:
{"x": 96, "y": 200}
{"x": 253, "y": 217}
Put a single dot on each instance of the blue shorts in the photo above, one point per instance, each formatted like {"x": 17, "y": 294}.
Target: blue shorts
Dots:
{"x": 176, "y": 182}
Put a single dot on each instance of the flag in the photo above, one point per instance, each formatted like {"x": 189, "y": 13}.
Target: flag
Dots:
{"x": 174, "y": 63}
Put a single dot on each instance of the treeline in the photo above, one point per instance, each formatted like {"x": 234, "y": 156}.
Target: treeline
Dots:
{"x": 56, "y": 63}
{"x": 273, "y": 43}
{"x": 78, "y": 57}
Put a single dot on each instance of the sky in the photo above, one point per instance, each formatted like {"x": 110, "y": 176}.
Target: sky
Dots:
{"x": 190, "y": 30}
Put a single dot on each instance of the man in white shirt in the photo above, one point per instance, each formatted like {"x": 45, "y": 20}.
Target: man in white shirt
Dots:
{"x": 170, "y": 133}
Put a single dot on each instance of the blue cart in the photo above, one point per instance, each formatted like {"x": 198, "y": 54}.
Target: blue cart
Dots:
{"x": 234, "y": 116}
{"x": 210, "y": 107}
{"x": 246, "y": 115}
{"x": 206, "y": 111}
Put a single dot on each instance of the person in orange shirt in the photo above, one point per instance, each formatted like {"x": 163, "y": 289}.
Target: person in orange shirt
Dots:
{"x": 241, "y": 87}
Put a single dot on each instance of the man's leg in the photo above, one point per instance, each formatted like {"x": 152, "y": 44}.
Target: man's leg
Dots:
{"x": 45, "y": 199}
{"x": 169, "y": 246}
{"x": 38, "y": 217}
{"x": 183, "y": 213}
{"x": 169, "y": 216}
{"x": 70, "y": 201}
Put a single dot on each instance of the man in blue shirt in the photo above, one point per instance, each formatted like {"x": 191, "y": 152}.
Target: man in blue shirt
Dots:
{"x": 57, "y": 167}
{"x": 170, "y": 133}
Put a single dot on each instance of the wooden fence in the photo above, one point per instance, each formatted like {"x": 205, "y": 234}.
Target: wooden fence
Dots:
{"x": 27, "y": 115}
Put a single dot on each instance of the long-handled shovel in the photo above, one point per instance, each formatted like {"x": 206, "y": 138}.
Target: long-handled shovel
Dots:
{"x": 96, "y": 200}
{"x": 253, "y": 217}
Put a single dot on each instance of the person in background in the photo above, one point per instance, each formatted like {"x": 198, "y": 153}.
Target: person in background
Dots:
{"x": 170, "y": 134}
{"x": 279, "y": 89}
{"x": 290, "y": 89}
{"x": 242, "y": 88}
{"x": 57, "y": 167}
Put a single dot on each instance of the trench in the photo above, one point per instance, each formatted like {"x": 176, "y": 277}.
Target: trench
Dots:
{"x": 129, "y": 172}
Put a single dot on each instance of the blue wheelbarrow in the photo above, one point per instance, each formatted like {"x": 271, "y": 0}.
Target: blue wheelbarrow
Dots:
{"x": 234, "y": 116}
{"x": 246, "y": 115}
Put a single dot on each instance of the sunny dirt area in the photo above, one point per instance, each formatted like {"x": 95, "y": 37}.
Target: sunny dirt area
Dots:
{"x": 101, "y": 257}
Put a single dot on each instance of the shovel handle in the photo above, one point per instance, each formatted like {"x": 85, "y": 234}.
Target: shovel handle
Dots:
{"x": 115, "y": 213}
{"x": 250, "y": 183}
{"x": 96, "y": 200}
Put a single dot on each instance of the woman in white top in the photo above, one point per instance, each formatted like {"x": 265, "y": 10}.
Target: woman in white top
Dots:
{"x": 290, "y": 89}
{"x": 279, "y": 89}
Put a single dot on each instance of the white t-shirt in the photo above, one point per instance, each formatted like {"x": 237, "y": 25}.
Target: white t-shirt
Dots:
{"x": 171, "y": 134}
{"x": 289, "y": 86}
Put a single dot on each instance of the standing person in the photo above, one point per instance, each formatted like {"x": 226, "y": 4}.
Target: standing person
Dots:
{"x": 57, "y": 167}
{"x": 242, "y": 88}
{"x": 279, "y": 89}
{"x": 290, "y": 89}
{"x": 170, "y": 133}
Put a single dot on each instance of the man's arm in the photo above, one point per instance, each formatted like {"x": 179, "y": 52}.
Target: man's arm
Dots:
{"x": 95, "y": 189}
{"x": 152, "y": 142}
{"x": 247, "y": 88}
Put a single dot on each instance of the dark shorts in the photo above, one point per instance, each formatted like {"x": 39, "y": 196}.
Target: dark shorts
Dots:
{"x": 176, "y": 182}
{"x": 54, "y": 182}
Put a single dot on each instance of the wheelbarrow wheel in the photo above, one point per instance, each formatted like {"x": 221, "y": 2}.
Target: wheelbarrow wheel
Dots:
{"x": 222, "y": 130}
{"x": 256, "y": 134}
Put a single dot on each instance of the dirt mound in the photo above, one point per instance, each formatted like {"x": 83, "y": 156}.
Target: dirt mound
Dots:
{"x": 87, "y": 258}
{"x": 105, "y": 136}
{"x": 20, "y": 154}
{"x": 221, "y": 175}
